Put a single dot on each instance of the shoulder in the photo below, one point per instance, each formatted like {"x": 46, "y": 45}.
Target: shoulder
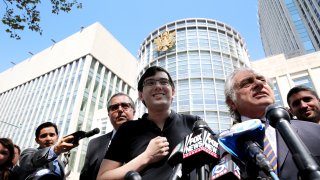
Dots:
{"x": 28, "y": 151}
{"x": 101, "y": 138}
{"x": 305, "y": 125}
{"x": 184, "y": 120}
{"x": 187, "y": 117}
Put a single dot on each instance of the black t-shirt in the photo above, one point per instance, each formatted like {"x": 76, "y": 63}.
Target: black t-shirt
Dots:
{"x": 133, "y": 137}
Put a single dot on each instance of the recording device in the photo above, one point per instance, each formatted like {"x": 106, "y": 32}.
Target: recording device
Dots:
{"x": 82, "y": 134}
{"x": 253, "y": 129}
{"x": 279, "y": 118}
{"x": 175, "y": 161}
{"x": 200, "y": 150}
{"x": 226, "y": 169}
{"x": 132, "y": 175}
{"x": 244, "y": 141}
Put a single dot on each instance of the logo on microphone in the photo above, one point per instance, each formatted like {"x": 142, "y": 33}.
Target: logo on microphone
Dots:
{"x": 200, "y": 142}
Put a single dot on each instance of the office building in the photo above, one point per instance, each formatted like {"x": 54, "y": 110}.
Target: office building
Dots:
{"x": 199, "y": 54}
{"x": 287, "y": 73}
{"x": 291, "y": 27}
{"x": 68, "y": 84}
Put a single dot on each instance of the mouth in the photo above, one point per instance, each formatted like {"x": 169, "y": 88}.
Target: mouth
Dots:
{"x": 158, "y": 94}
{"x": 48, "y": 144}
{"x": 260, "y": 94}
{"x": 307, "y": 113}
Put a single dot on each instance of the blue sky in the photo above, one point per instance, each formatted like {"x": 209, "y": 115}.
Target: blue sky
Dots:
{"x": 131, "y": 22}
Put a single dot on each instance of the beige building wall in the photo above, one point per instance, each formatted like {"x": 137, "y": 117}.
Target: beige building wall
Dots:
{"x": 85, "y": 58}
{"x": 284, "y": 71}
{"x": 94, "y": 40}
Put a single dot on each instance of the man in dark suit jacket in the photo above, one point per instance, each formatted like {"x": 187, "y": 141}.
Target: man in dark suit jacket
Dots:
{"x": 44, "y": 161}
{"x": 120, "y": 109}
{"x": 247, "y": 94}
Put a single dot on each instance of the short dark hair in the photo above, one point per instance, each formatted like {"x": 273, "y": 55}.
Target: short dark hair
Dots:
{"x": 45, "y": 125}
{"x": 151, "y": 71}
{"x": 122, "y": 94}
{"x": 299, "y": 88}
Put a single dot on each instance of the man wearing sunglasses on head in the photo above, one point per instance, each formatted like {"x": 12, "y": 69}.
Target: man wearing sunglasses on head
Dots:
{"x": 144, "y": 145}
{"x": 120, "y": 109}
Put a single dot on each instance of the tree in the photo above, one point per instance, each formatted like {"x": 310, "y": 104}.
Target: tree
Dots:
{"x": 24, "y": 13}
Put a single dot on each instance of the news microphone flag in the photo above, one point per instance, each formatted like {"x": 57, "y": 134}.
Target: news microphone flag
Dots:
{"x": 252, "y": 128}
{"x": 200, "y": 147}
{"x": 226, "y": 169}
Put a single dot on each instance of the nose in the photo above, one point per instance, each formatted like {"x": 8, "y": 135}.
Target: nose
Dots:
{"x": 258, "y": 84}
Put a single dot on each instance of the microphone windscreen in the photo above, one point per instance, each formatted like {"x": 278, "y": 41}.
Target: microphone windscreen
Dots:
{"x": 252, "y": 129}
{"x": 276, "y": 112}
{"x": 92, "y": 132}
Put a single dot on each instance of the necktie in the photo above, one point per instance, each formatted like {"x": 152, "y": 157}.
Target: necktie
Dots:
{"x": 272, "y": 158}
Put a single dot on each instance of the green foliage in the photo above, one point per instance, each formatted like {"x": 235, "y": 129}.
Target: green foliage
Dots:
{"x": 24, "y": 13}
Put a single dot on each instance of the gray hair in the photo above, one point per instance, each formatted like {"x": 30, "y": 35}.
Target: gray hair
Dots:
{"x": 229, "y": 90}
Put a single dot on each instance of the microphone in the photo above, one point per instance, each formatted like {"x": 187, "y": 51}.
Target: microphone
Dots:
{"x": 200, "y": 150}
{"x": 279, "y": 118}
{"x": 244, "y": 141}
{"x": 77, "y": 136}
{"x": 227, "y": 169}
{"x": 175, "y": 161}
{"x": 132, "y": 175}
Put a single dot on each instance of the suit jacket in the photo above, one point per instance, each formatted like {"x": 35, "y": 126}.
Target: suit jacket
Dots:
{"x": 96, "y": 151}
{"x": 32, "y": 160}
{"x": 309, "y": 134}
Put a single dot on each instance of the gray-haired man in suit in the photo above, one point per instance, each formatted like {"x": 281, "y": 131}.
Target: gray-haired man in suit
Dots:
{"x": 248, "y": 93}
{"x": 43, "y": 161}
{"x": 120, "y": 109}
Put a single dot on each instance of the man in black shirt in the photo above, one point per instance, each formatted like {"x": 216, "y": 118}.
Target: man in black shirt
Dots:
{"x": 144, "y": 145}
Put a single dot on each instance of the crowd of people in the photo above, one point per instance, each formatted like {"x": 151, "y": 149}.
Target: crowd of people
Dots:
{"x": 144, "y": 145}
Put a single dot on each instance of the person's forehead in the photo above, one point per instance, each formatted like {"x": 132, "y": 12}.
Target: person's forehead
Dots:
{"x": 47, "y": 130}
{"x": 159, "y": 74}
{"x": 244, "y": 75}
{"x": 302, "y": 94}
{"x": 121, "y": 98}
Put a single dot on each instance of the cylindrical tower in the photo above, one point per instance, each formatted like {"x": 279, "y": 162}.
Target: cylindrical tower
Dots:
{"x": 199, "y": 54}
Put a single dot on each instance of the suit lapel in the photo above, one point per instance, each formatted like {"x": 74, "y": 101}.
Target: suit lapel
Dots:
{"x": 282, "y": 149}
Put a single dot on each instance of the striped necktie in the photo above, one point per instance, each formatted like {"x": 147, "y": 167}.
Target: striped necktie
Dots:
{"x": 272, "y": 158}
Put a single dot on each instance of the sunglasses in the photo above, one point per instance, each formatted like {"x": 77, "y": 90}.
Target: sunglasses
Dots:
{"x": 115, "y": 107}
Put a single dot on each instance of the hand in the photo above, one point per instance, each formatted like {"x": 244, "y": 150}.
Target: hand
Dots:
{"x": 157, "y": 149}
{"x": 63, "y": 145}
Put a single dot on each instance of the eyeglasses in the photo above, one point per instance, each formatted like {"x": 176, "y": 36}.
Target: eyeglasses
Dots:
{"x": 152, "y": 82}
{"x": 115, "y": 107}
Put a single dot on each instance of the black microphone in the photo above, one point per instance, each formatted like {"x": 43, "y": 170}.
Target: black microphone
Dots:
{"x": 227, "y": 169}
{"x": 279, "y": 118}
{"x": 200, "y": 150}
{"x": 254, "y": 154}
{"x": 175, "y": 161}
{"x": 82, "y": 134}
{"x": 132, "y": 175}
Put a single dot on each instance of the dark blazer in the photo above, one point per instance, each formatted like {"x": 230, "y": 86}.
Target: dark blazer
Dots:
{"x": 309, "y": 133}
{"x": 96, "y": 151}
{"x": 32, "y": 160}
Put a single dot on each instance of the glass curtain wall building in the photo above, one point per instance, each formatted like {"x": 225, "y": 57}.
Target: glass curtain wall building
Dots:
{"x": 291, "y": 27}
{"x": 199, "y": 54}
{"x": 65, "y": 88}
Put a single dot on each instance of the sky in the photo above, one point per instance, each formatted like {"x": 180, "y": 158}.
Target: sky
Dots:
{"x": 130, "y": 22}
